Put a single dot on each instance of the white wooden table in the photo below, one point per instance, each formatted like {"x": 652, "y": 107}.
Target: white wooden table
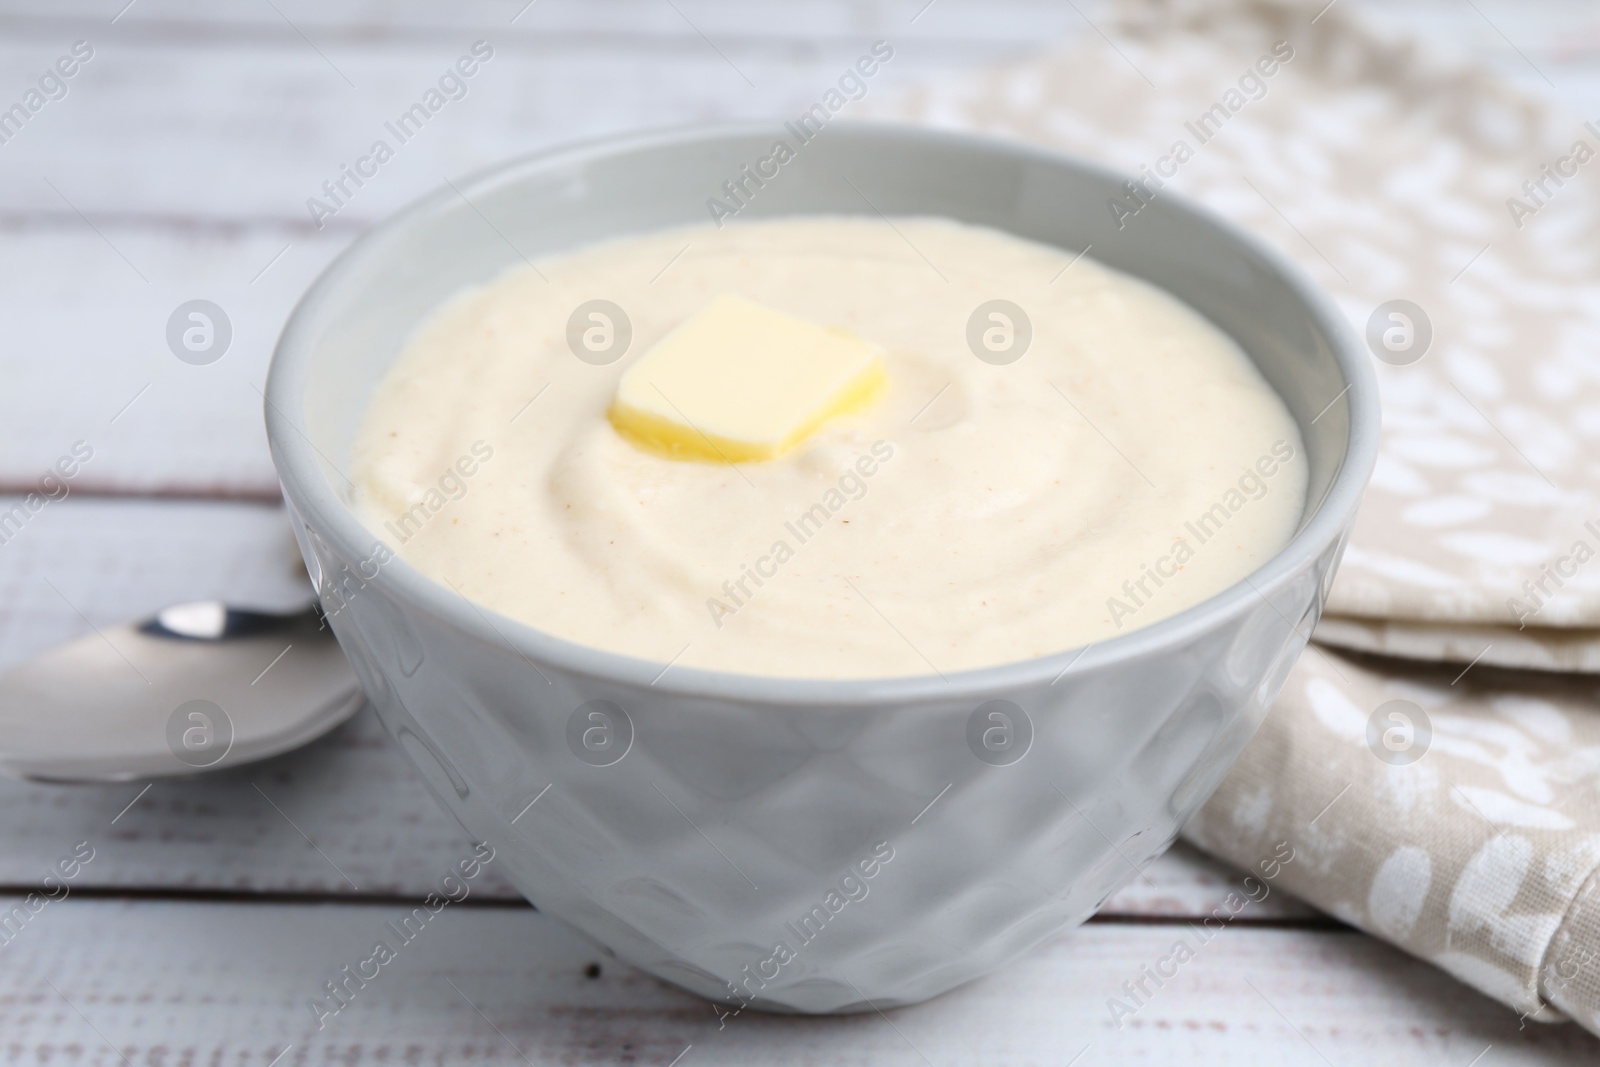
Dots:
{"x": 177, "y": 167}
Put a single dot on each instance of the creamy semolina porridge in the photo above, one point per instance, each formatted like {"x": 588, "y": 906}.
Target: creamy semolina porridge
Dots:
{"x": 959, "y": 506}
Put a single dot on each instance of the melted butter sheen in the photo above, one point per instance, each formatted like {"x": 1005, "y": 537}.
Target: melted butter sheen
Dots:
{"x": 1129, "y": 465}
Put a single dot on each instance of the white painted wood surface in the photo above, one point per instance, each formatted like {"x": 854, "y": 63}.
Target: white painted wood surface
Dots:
{"x": 177, "y": 167}
{"x": 231, "y": 983}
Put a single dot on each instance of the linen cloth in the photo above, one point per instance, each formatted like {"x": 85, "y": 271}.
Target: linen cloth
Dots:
{"x": 1393, "y": 175}
{"x": 1477, "y": 848}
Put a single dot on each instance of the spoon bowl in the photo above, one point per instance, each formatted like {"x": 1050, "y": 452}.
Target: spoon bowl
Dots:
{"x": 197, "y": 687}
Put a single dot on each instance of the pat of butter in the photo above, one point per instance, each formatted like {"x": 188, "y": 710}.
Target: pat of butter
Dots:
{"x": 740, "y": 382}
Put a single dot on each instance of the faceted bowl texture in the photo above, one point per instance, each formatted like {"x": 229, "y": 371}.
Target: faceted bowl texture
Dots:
{"x": 804, "y": 845}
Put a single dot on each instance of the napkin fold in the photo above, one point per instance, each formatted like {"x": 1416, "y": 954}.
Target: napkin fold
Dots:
{"x": 1457, "y": 816}
{"x": 1549, "y": 648}
{"x": 1443, "y": 801}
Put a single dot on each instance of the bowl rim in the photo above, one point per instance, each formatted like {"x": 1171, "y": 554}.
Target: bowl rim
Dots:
{"x": 309, "y": 493}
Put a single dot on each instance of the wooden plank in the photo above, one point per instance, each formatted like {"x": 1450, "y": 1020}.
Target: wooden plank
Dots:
{"x": 86, "y": 562}
{"x": 228, "y": 983}
{"x": 358, "y": 21}
{"x": 114, "y": 383}
{"x": 86, "y": 357}
{"x": 247, "y": 125}
{"x": 234, "y": 114}
{"x": 91, "y": 562}
{"x": 1548, "y": 24}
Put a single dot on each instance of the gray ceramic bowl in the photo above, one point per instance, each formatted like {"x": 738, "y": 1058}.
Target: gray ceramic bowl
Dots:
{"x": 812, "y": 846}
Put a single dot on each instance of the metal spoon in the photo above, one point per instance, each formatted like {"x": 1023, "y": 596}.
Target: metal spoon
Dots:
{"x": 198, "y": 687}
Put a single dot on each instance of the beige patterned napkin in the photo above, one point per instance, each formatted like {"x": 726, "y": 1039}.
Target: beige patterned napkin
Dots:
{"x": 1456, "y": 221}
{"x": 1459, "y": 820}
